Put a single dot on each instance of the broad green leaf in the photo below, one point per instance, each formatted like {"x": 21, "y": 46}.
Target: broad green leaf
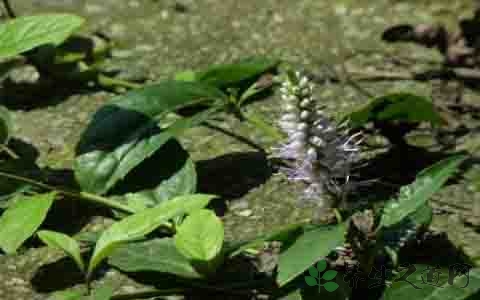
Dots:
{"x": 21, "y": 220}
{"x": 5, "y": 125}
{"x": 186, "y": 76}
{"x": 456, "y": 291}
{"x": 142, "y": 223}
{"x": 104, "y": 292}
{"x": 414, "y": 196}
{"x": 183, "y": 182}
{"x": 66, "y": 295}
{"x": 396, "y": 107}
{"x": 157, "y": 255}
{"x": 405, "y": 230}
{"x": 64, "y": 242}
{"x": 25, "y": 33}
{"x": 124, "y": 133}
{"x": 200, "y": 236}
{"x": 307, "y": 250}
{"x": 295, "y": 294}
{"x": 230, "y": 75}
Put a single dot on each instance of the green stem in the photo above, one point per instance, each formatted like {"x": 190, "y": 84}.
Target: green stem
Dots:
{"x": 110, "y": 82}
{"x": 9, "y": 151}
{"x": 259, "y": 122}
{"x": 149, "y": 294}
{"x": 82, "y": 195}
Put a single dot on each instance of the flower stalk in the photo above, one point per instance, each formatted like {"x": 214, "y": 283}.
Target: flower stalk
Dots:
{"x": 321, "y": 152}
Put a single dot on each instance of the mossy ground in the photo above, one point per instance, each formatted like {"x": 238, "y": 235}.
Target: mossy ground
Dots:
{"x": 155, "y": 39}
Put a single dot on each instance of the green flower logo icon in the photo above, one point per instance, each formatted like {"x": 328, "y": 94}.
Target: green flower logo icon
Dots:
{"x": 314, "y": 278}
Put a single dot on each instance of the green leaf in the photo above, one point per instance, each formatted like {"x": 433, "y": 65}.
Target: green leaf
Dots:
{"x": 329, "y": 275}
{"x": 157, "y": 255}
{"x": 200, "y": 236}
{"x": 399, "y": 107}
{"x": 183, "y": 182}
{"x": 104, "y": 292}
{"x": 21, "y": 220}
{"x": 331, "y": 286}
{"x": 5, "y": 125}
{"x": 124, "y": 133}
{"x": 311, "y": 281}
{"x": 456, "y": 291}
{"x": 308, "y": 249}
{"x": 64, "y": 242}
{"x": 142, "y": 223}
{"x": 293, "y": 295}
{"x": 313, "y": 271}
{"x": 188, "y": 75}
{"x": 25, "y": 33}
{"x": 415, "y": 195}
{"x": 66, "y": 295}
{"x": 231, "y": 75}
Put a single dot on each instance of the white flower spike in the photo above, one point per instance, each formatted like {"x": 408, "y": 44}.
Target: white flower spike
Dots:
{"x": 322, "y": 152}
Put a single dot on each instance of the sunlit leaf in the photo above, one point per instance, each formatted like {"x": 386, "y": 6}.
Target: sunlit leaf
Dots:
{"x": 396, "y": 107}
{"x": 66, "y": 295}
{"x": 103, "y": 292}
{"x": 124, "y": 133}
{"x": 21, "y": 220}
{"x": 142, "y": 223}
{"x": 414, "y": 196}
{"x": 65, "y": 243}
{"x": 156, "y": 255}
{"x": 182, "y": 182}
{"x": 230, "y": 75}
{"x": 200, "y": 236}
{"x": 25, "y": 33}
{"x": 307, "y": 250}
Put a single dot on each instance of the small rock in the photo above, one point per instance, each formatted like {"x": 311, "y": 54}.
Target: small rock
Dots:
{"x": 164, "y": 14}
{"x": 245, "y": 213}
{"x": 94, "y": 8}
{"x": 238, "y": 204}
{"x": 24, "y": 74}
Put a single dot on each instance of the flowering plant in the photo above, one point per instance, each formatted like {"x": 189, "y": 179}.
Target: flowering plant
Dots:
{"x": 322, "y": 152}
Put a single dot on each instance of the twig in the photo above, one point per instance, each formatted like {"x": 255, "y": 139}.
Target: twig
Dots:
{"x": 82, "y": 195}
